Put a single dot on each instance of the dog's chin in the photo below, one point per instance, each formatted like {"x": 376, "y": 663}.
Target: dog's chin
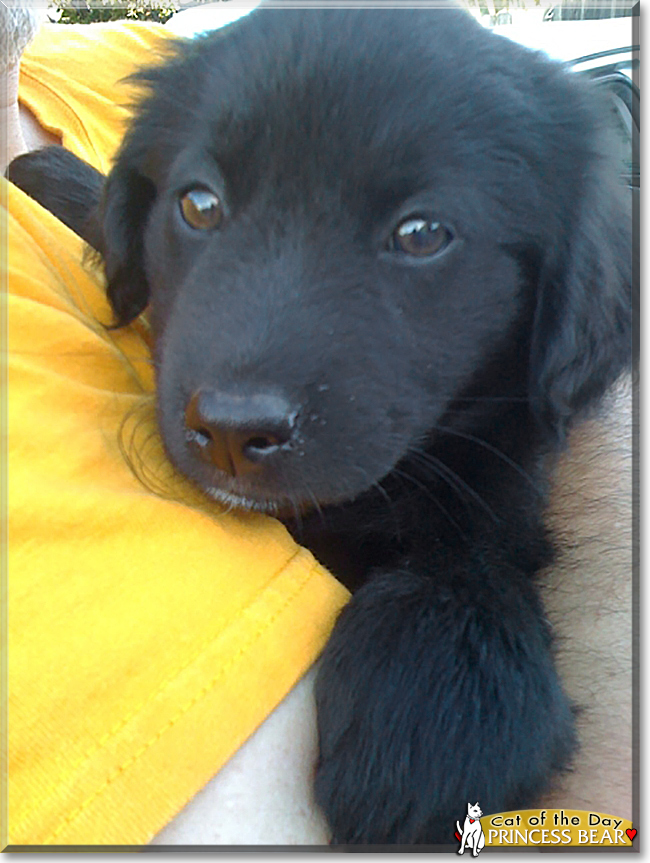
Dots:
{"x": 236, "y": 494}
{"x": 288, "y": 497}
{"x": 234, "y": 500}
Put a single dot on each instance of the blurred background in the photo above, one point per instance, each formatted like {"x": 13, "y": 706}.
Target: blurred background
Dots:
{"x": 490, "y": 12}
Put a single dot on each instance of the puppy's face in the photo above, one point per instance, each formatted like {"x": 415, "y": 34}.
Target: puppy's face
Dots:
{"x": 335, "y": 228}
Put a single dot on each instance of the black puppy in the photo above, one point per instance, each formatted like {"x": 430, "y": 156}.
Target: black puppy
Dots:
{"x": 387, "y": 263}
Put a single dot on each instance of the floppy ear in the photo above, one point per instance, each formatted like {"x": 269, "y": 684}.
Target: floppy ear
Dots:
{"x": 582, "y": 333}
{"x": 128, "y": 197}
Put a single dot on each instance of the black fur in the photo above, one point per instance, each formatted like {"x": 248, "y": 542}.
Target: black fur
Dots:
{"x": 53, "y": 177}
{"x": 430, "y": 393}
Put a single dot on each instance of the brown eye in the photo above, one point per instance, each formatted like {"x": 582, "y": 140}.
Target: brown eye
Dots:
{"x": 420, "y": 237}
{"x": 201, "y": 209}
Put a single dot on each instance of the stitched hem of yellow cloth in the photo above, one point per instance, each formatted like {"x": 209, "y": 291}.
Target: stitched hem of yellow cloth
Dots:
{"x": 126, "y": 791}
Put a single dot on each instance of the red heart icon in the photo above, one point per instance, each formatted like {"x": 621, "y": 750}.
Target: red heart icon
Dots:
{"x": 457, "y": 835}
{"x": 631, "y": 833}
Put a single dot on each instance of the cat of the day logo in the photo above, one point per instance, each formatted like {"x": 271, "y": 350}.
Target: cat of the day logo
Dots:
{"x": 542, "y": 827}
{"x": 471, "y": 834}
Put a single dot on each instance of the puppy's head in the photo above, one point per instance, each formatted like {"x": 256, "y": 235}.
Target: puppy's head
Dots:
{"x": 340, "y": 220}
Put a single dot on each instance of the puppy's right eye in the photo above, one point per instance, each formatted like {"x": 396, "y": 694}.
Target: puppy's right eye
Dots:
{"x": 201, "y": 209}
{"x": 420, "y": 237}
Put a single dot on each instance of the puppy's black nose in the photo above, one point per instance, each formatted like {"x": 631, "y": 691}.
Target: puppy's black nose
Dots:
{"x": 239, "y": 433}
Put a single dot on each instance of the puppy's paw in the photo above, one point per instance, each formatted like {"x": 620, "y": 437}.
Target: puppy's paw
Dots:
{"x": 427, "y": 699}
{"x": 65, "y": 185}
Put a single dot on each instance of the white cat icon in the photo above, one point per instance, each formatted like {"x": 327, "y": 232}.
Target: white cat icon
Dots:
{"x": 471, "y": 836}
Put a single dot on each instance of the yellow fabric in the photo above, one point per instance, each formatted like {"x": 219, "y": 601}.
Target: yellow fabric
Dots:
{"x": 147, "y": 636}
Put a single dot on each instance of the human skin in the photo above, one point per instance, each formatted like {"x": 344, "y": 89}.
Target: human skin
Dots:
{"x": 21, "y": 131}
{"x": 589, "y": 597}
{"x": 263, "y": 794}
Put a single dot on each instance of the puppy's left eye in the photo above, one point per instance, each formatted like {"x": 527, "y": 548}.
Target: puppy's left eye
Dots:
{"x": 420, "y": 237}
{"x": 201, "y": 209}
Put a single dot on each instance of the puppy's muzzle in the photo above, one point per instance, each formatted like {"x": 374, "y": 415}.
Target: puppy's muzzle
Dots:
{"x": 240, "y": 433}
